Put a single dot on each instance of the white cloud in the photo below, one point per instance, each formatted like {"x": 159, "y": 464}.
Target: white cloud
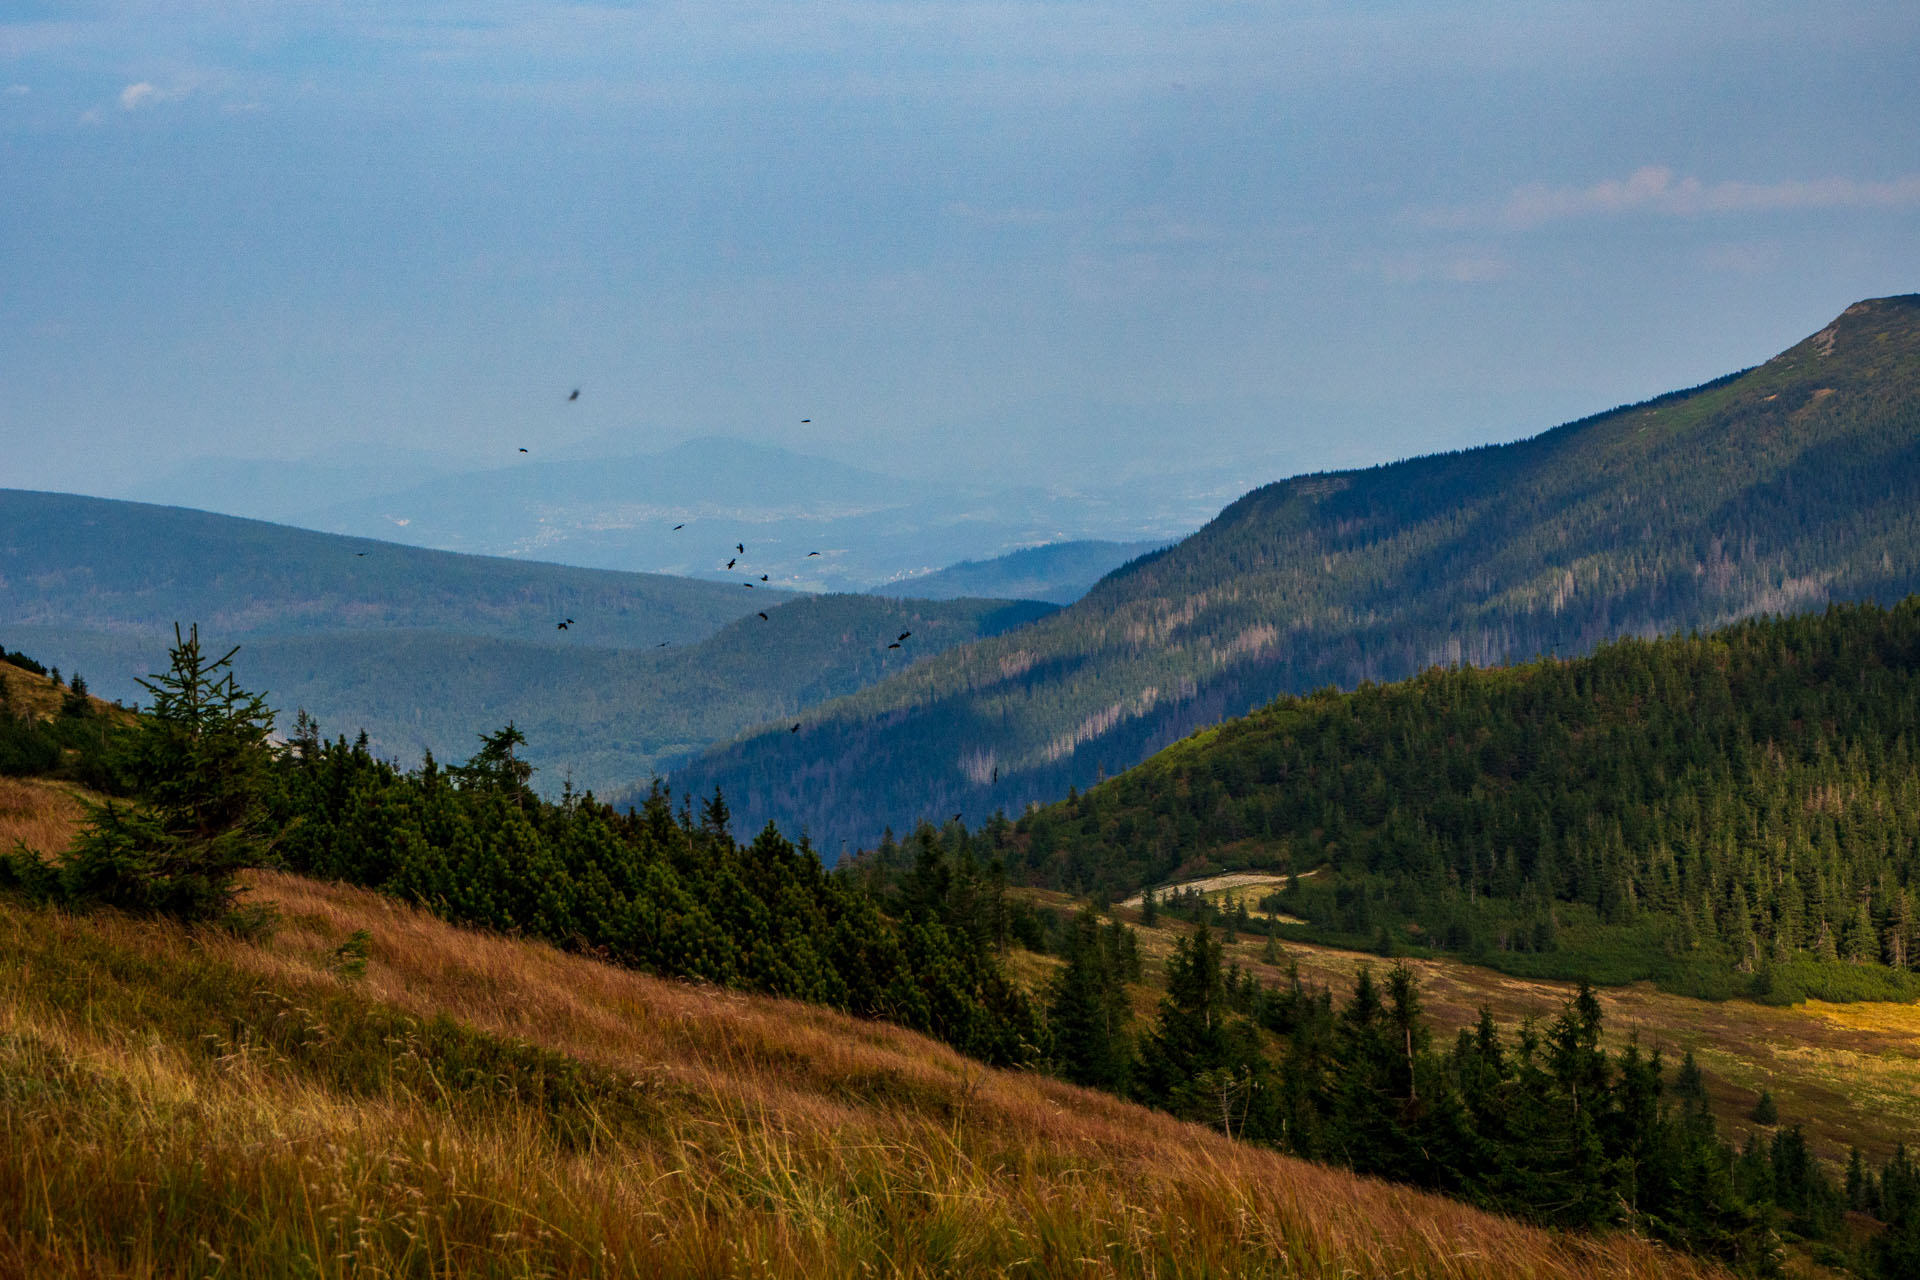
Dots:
{"x": 1656, "y": 190}
{"x": 135, "y": 96}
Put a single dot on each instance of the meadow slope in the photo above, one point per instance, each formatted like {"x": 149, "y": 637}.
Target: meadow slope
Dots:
{"x": 418, "y": 1099}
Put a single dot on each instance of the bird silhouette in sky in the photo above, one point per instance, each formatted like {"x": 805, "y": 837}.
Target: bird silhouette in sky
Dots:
{"x": 560, "y": 626}
{"x": 763, "y": 617}
{"x": 747, "y": 585}
{"x": 996, "y": 773}
{"x": 741, "y": 547}
{"x": 678, "y": 527}
{"x": 574, "y": 396}
{"x": 805, "y": 421}
{"x": 731, "y": 563}
{"x": 523, "y": 450}
{"x": 763, "y": 577}
{"x": 905, "y": 634}
{"x": 795, "y": 729}
{"x": 663, "y": 644}
{"x": 359, "y": 553}
{"x": 894, "y": 645}
{"x": 813, "y": 553}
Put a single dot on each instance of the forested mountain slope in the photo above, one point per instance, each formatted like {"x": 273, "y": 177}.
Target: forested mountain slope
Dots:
{"x": 1781, "y": 488}
{"x": 107, "y": 565}
{"x": 425, "y": 649}
{"x": 1741, "y": 803}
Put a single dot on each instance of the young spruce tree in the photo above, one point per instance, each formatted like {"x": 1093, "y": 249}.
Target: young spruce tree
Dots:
{"x": 196, "y": 764}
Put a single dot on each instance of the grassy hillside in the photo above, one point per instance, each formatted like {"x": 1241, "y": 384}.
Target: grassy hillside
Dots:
{"x": 417, "y": 1099}
{"x": 1060, "y": 572}
{"x": 1781, "y": 488}
{"x": 1732, "y": 813}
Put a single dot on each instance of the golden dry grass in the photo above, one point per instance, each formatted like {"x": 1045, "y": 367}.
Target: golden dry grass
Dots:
{"x": 37, "y": 696}
{"x": 40, "y": 814}
{"x": 730, "y": 1135}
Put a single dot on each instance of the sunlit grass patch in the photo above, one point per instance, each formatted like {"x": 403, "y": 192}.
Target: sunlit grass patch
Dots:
{"x": 184, "y": 1103}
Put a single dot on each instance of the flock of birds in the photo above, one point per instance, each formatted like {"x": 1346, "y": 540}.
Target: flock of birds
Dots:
{"x": 739, "y": 554}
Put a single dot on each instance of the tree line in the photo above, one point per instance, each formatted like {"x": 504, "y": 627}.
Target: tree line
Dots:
{"x": 1540, "y": 1121}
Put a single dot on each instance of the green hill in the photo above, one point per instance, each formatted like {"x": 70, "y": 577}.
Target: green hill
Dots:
{"x": 1781, "y": 488}
{"x": 1736, "y": 813}
{"x": 426, "y": 649}
{"x": 99, "y": 564}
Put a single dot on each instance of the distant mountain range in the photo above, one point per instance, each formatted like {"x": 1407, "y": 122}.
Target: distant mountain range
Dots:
{"x": 1059, "y": 572}
{"x": 1773, "y": 490}
{"x": 427, "y": 649}
{"x": 618, "y": 510}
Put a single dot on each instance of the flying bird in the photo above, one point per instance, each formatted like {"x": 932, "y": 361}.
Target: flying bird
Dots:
{"x": 805, "y": 421}
{"x": 763, "y": 617}
{"x": 560, "y": 626}
{"x": 523, "y": 450}
{"x": 741, "y": 547}
{"x": 679, "y": 527}
{"x": 731, "y": 563}
{"x": 996, "y": 773}
{"x": 763, "y": 577}
{"x": 574, "y": 396}
{"x": 663, "y": 644}
{"x": 905, "y": 634}
{"x": 359, "y": 553}
{"x": 747, "y": 585}
{"x": 813, "y": 553}
{"x": 894, "y": 645}
{"x": 795, "y": 729}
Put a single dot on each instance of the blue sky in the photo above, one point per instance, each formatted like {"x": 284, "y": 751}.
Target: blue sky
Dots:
{"x": 1068, "y": 241}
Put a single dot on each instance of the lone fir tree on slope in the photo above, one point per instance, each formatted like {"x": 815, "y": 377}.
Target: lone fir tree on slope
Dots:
{"x": 196, "y": 767}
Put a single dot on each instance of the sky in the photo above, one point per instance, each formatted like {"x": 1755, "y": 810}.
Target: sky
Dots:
{"x": 1064, "y": 241}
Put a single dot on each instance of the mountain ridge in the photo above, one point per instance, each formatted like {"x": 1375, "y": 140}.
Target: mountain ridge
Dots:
{"x": 425, "y": 649}
{"x": 1775, "y": 488}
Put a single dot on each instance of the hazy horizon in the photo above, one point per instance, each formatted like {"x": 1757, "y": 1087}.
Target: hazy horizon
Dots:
{"x": 1057, "y": 244}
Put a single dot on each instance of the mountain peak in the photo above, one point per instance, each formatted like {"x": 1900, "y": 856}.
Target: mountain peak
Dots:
{"x": 1865, "y": 329}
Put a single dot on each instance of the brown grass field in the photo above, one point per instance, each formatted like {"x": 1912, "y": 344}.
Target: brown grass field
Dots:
{"x": 39, "y": 814}
{"x": 471, "y": 1105}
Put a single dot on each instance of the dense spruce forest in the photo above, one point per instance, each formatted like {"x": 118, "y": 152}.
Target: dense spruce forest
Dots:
{"x": 1781, "y": 488}
{"x": 1537, "y": 1121}
{"x": 1734, "y": 812}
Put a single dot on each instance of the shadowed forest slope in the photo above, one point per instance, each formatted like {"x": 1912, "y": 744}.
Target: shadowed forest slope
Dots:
{"x": 1778, "y": 489}
{"x": 424, "y": 649}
